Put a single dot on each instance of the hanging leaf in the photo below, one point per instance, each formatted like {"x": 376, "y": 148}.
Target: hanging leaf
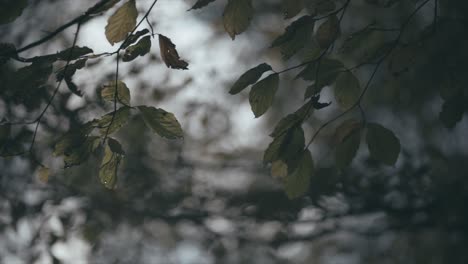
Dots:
{"x": 291, "y": 120}
{"x": 109, "y": 123}
{"x": 279, "y": 170}
{"x": 292, "y": 7}
{"x": 10, "y": 10}
{"x": 262, "y": 94}
{"x": 134, "y": 37}
{"x": 78, "y": 154}
{"x": 122, "y": 22}
{"x": 327, "y": 32}
{"x": 123, "y": 93}
{"x": 297, "y": 183}
{"x": 72, "y": 139}
{"x": 140, "y": 49}
{"x": 113, "y": 155}
{"x": 272, "y": 153}
{"x": 67, "y": 74}
{"x": 383, "y": 144}
{"x": 365, "y": 45}
{"x": 163, "y": 123}
{"x": 249, "y": 77}
{"x": 347, "y": 89}
{"x": 201, "y": 3}
{"x": 236, "y": 16}
{"x": 169, "y": 54}
{"x": 295, "y": 37}
{"x": 43, "y": 174}
{"x": 453, "y": 110}
{"x": 323, "y": 72}
{"x": 348, "y": 136}
{"x": 73, "y": 53}
{"x": 286, "y": 147}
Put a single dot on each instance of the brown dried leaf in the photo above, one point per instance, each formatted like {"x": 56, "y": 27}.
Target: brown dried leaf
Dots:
{"x": 169, "y": 54}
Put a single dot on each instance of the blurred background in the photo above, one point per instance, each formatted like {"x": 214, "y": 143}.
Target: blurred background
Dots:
{"x": 208, "y": 198}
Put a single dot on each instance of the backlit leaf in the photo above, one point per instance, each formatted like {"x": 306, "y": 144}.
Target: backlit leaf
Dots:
{"x": 328, "y": 31}
{"x": 80, "y": 151}
{"x": 249, "y": 77}
{"x": 122, "y": 22}
{"x": 169, "y": 54}
{"x": 43, "y": 174}
{"x": 110, "y": 163}
{"x": 262, "y": 94}
{"x": 347, "y": 89}
{"x": 279, "y": 170}
{"x": 140, "y": 49}
{"x": 297, "y": 183}
{"x": 10, "y": 10}
{"x": 163, "y": 123}
{"x": 109, "y": 125}
{"x": 383, "y": 144}
{"x": 236, "y": 16}
{"x": 123, "y": 93}
{"x": 134, "y": 37}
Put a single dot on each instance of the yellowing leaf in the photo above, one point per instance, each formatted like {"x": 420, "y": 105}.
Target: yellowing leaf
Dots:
{"x": 10, "y": 10}
{"x": 383, "y": 144}
{"x": 123, "y": 93}
{"x": 110, "y": 163}
{"x": 109, "y": 125}
{"x": 122, "y": 22}
{"x": 140, "y": 49}
{"x": 292, "y": 7}
{"x": 236, "y": 16}
{"x": 297, "y": 183}
{"x": 262, "y": 94}
{"x": 279, "y": 170}
{"x": 328, "y": 31}
{"x": 43, "y": 174}
{"x": 347, "y": 90}
{"x": 169, "y": 54}
{"x": 163, "y": 123}
{"x": 249, "y": 77}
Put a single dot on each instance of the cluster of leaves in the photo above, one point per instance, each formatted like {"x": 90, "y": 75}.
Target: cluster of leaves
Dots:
{"x": 93, "y": 137}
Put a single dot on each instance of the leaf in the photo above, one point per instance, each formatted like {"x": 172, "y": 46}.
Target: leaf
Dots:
{"x": 249, "y": 77}
{"x": 169, "y": 54}
{"x": 295, "y": 37}
{"x": 134, "y": 37}
{"x": 5, "y": 131}
{"x": 453, "y": 110}
{"x": 279, "y": 170}
{"x": 163, "y": 123}
{"x": 317, "y": 7}
{"x": 201, "y": 3}
{"x": 122, "y": 22}
{"x": 7, "y": 51}
{"x": 236, "y": 16}
{"x": 67, "y": 74}
{"x": 291, "y": 120}
{"x": 327, "y": 71}
{"x": 383, "y": 144}
{"x": 272, "y": 153}
{"x": 123, "y": 93}
{"x": 286, "y": 147}
{"x": 140, "y": 49}
{"x": 110, "y": 163}
{"x": 365, "y": 45}
{"x": 43, "y": 174}
{"x": 80, "y": 151}
{"x": 73, "y": 53}
{"x": 72, "y": 139}
{"x": 327, "y": 32}
{"x": 292, "y": 7}
{"x": 347, "y": 90}
{"x": 262, "y": 94}
{"x": 297, "y": 183}
{"x": 10, "y": 10}
{"x": 349, "y": 139}
{"x": 118, "y": 121}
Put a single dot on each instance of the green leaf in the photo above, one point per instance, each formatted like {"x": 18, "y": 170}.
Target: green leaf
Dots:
{"x": 201, "y": 3}
{"x": 134, "y": 37}
{"x": 80, "y": 151}
{"x": 118, "y": 121}
{"x": 453, "y": 110}
{"x": 123, "y": 93}
{"x": 292, "y": 7}
{"x": 72, "y": 139}
{"x": 383, "y": 144}
{"x": 236, "y": 17}
{"x": 327, "y": 32}
{"x": 327, "y": 71}
{"x": 122, "y": 22}
{"x": 295, "y": 37}
{"x": 279, "y": 170}
{"x": 10, "y": 10}
{"x": 262, "y": 94}
{"x": 163, "y": 123}
{"x": 113, "y": 156}
{"x": 272, "y": 153}
{"x": 73, "y": 53}
{"x": 291, "y": 120}
{"x": 297, "y": 183}
{"x": 140, "y": 49}
{"x": 347, "y": 90}
{"x": 249, "y": 77}
{"x": 349, "y": 139}
{"x": 286, "y": 147}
